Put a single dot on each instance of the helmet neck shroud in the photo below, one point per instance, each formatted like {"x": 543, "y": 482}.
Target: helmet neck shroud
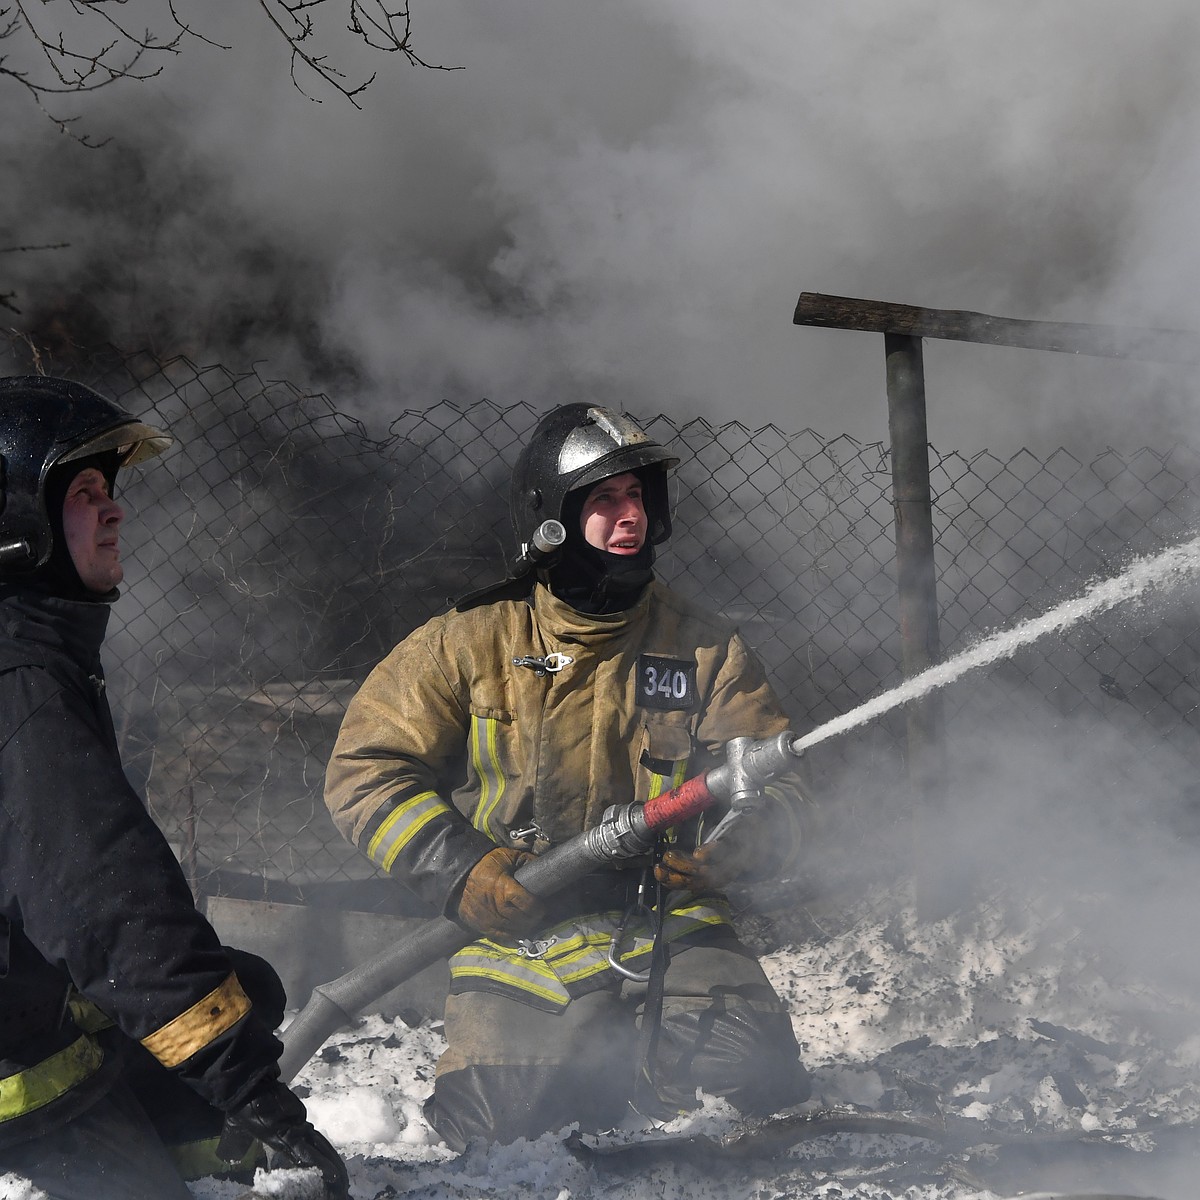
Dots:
{"x": 58, "y": 575}
{"x": 592, "y": 580}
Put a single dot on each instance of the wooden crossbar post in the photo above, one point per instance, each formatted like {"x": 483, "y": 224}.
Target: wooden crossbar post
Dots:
{"x": 904, "y": 326}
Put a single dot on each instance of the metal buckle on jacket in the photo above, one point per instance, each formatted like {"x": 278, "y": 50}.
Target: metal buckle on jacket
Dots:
{"x": 535, "y": 947}
{"x": 532, "y": 830}
{"x": 550, "y": 665}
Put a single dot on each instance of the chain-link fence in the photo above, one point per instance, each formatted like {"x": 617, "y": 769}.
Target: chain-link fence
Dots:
{"x": 282, "y": 548}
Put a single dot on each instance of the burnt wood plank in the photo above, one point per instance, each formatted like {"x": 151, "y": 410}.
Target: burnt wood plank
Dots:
{"x": 1107, "y": 341}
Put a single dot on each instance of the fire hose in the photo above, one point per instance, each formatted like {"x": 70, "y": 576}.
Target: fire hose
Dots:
{"x": 625, "y": 831}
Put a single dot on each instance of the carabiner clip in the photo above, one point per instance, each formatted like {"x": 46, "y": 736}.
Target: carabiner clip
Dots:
{"x": 550, "y": 665}
{"x": 532, "y": 830}
{"x": 614, "y": 945}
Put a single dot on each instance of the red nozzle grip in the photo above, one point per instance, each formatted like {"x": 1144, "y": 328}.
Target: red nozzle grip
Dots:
{"x": 674, "y": 807}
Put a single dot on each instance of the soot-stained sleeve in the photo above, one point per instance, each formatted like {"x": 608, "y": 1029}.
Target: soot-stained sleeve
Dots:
{"x": 101, "y": 896}
{"x": 401, "y": 741}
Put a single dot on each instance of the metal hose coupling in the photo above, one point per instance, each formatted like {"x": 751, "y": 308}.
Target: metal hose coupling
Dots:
{"x": 622, "y": 833}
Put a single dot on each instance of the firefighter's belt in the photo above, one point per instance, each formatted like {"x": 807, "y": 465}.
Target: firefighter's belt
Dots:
{"x": 44, "y": 1082}
{"x": 575, "y": 959}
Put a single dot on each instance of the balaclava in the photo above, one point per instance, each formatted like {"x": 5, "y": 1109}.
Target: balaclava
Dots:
{"x": 592, "y": 580}
{"x": 58, "y": 575}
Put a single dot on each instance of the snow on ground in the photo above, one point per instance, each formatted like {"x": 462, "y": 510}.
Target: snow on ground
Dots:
{"x": 1013, "y": 1037}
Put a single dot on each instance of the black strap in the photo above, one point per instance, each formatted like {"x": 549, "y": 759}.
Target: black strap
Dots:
{"x": 645, "y": 1093}
{"x": 503, "y": 589}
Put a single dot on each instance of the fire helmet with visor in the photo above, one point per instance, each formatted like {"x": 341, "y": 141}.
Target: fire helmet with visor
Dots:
{"x": 575, "y": 446}
{"x": 47, "y": 423}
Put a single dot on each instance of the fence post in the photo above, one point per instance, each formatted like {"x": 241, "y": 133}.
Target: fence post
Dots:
{"x": 920, "y": 642}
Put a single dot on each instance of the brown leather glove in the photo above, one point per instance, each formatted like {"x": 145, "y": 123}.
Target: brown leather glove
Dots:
{"x": 714, "y": 865}
{"x": 493, "y": 902}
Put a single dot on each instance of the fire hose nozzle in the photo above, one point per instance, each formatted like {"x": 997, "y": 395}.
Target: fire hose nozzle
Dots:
{"x": 752, "y": 762}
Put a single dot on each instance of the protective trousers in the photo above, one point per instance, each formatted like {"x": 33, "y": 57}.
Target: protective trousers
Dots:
{"x": 511, "y": 1070}
{"x": 149, "y": 1132}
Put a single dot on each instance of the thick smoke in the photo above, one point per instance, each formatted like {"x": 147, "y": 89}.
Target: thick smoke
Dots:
{"x": 625, "y": 202}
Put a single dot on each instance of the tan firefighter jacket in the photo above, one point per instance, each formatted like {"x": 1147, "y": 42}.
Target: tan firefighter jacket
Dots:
{"x": 451, "y": 746}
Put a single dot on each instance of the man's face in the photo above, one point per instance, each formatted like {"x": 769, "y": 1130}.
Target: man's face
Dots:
{"x": 91, "y": 519}
{"x": 613, "y": 517}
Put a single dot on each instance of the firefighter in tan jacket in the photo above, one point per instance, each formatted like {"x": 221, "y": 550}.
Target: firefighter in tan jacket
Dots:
{"x": 509, "y": 725}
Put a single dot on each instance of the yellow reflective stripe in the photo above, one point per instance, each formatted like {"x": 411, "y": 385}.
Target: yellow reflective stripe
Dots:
{"x": 510, "y": 975}
{"x": 675, "y": 926}
{"x": 706, "y": 913}
{"x": 487, "y": 766}
{"x": 402, "y": 825}
{"x": 480, "y": 961}
{"x": 578, "y": 957}
{"x": 585, "y": 968}
{"x": 659, "y": 786}
{"x": 87, "y": 1016}
{"x": 201, "y": 1024}
{"x": 504, "y": 974}
{"x": 44, "y": 1082}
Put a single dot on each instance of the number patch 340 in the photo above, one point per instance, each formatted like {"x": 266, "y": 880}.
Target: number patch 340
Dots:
{"x": 666, "y": 683}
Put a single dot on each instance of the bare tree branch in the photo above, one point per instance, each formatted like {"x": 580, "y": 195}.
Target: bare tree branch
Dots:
{"x": 379, "y": 27}
{"x": 74, "y": 47}
{"x": 7, "y": 298}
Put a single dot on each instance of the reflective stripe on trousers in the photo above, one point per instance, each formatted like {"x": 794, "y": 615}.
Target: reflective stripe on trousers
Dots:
{"x": 577, "y": 958}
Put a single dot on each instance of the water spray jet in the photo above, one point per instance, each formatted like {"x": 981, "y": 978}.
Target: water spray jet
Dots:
{"x": 1169, "y": 567}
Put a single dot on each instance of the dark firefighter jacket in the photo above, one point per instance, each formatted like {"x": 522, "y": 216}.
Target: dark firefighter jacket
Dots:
{"x": 97, "y": 924}
{"x": 450, "y": 747}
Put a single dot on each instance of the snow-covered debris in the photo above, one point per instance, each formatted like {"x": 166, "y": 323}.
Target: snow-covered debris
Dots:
{"x": 991, "y": 1054}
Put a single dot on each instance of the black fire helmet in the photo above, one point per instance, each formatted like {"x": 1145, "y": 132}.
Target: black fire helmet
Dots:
{"x": 45, "y": 422}
{"x": 575, "y": 446}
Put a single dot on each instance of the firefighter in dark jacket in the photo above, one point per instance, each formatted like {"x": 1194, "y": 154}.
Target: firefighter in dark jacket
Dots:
{"x": 125, "y": 1025}
{"x": 509, "y": 725}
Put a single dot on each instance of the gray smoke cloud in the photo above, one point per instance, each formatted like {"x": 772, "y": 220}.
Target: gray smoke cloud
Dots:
{"x": 624, "y": 202}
